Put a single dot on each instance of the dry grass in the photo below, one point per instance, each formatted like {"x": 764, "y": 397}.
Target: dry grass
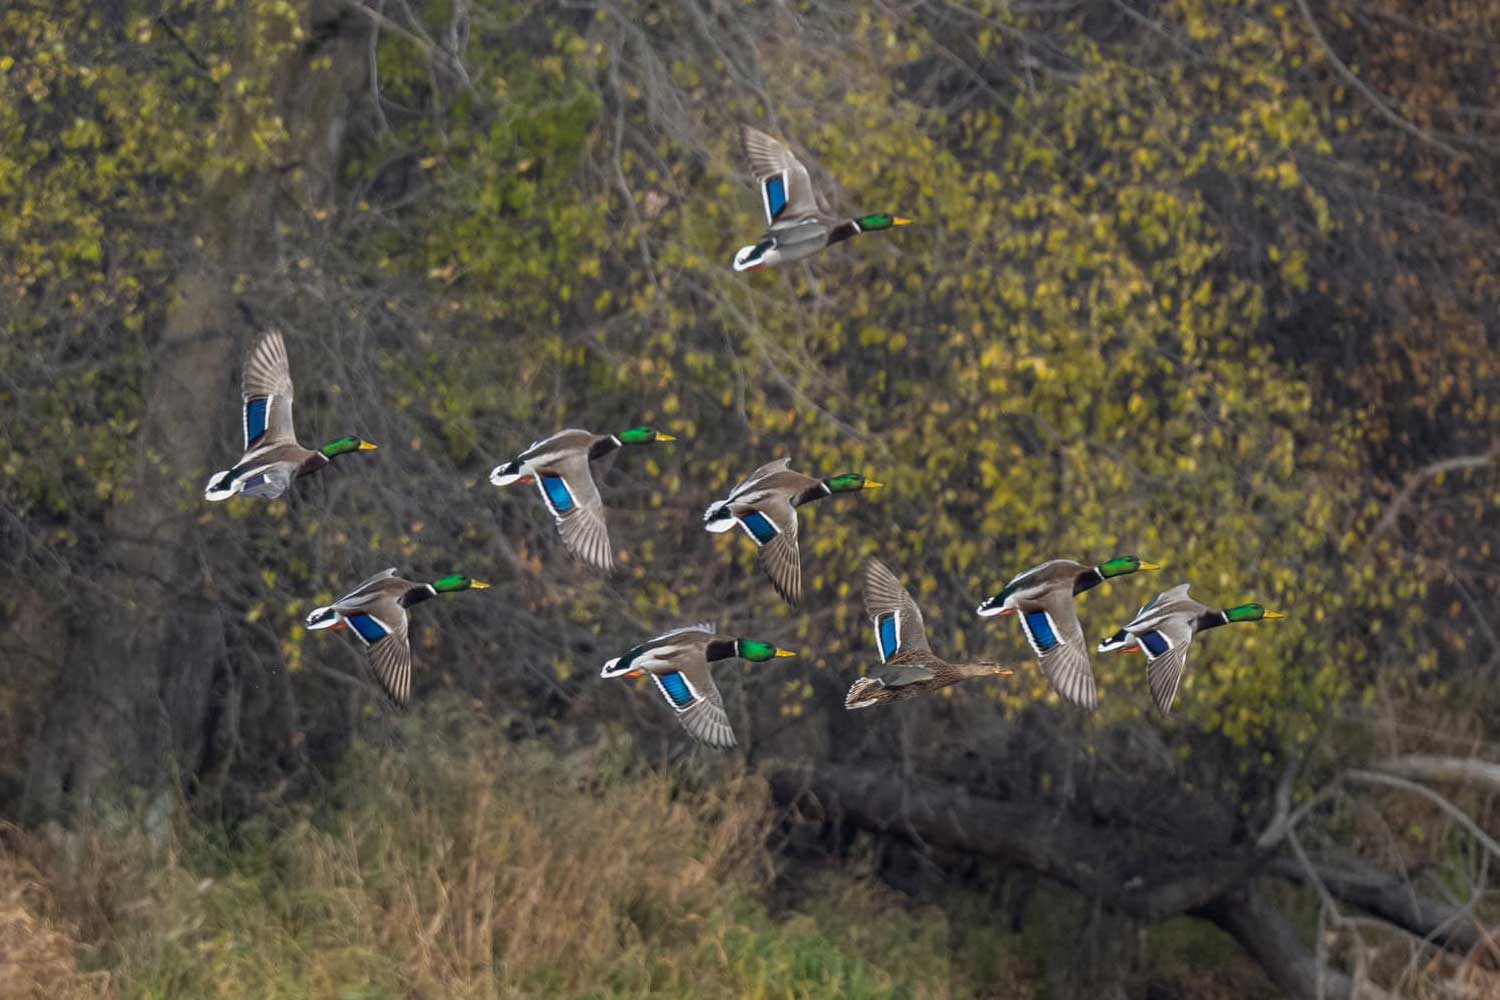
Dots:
{"x": 472, "y": 869}
{"x": 38, "y": 948}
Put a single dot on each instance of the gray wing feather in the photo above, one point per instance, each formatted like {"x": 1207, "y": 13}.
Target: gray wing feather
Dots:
{"x": 1164, "y": 607}
{"x": 781, "y": 557}
{"x": 897, "y": 674}
{"x": 390, "y": 658}
{"x": 275, "y": 480}
{"x": 768, "y": 156}
{"x": 705, "y": 720}
{"x": 1067, "y": 663}
{"x": 583, "y": 529}
{"x": 708, "y": 627}
{"x": 883, "y": 593}
{"x": 365, "y": 585}
{"x": 269, "y": 373}
{"x": 779, "y": 465}
{"x": 1165, "y": 674}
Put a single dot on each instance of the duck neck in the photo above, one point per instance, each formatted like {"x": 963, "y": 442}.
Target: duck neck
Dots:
{"x": 721, "y": 649}
{"x": 974, "y": 669}
{"x": 1211, "y": 619}
{"x": 603, "y": 447}
{"x": 416, "y": 595}
{"x": 312, "y": 463}
{"x": 844, "y": 231}
{"x": 1087, "y": 580}
{"x": 816, "y": 491}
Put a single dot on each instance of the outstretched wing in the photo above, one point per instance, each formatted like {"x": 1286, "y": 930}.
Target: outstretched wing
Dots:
{"x": 695, "y": 698}
{"x": 266, "y": 387}
{"x": 567, "y": 486}
{"x": 365, "y": 592}
{"x": 268, "y": 482}
{"x": 1051, "y": 626}
{"x": 785, "y": 188}
{"x": 383, "y": 630}
{"x": 772, "y": 523}
{"x": 1164, "y": 630}
{"x": 770, "y": 468}
{"x": 897, "y": 619}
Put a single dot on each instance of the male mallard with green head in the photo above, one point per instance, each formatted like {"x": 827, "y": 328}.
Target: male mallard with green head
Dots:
{"x": 375, "y": 611}
{"x": 272, "y": 457}
{"x": 678, "y": 662}
{"x": 559, "y": 466}
{"x": 765, "y": 505}
{"x": 909, "y": 667}
{"x": 796, "y": 225}
{"x": 1165, "y": 628}
{"x": 1043, "y": 598}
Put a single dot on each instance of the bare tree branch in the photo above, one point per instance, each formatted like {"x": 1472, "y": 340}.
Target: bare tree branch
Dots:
{"x": 1375, "y": 99}
{"x": 1416, "y": 478}
{"x": 1455, "y": 770}
{"x": 1391, "y": 898}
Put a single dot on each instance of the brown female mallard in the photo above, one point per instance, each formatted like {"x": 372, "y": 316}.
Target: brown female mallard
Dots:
{"x": 909, "y": 667}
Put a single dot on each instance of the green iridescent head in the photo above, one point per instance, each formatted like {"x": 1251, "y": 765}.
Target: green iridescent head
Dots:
{"x": 345, "y": 445}
{"x": 879, "y": 221}
{"x": 1125, "y": 565}
{"x": 1251, "y": 613}
{"x": 643, "y": 435}
{"x": 850, "y": 482}
{"x": 759, "y": 652}
{"x": 457, "y": 581}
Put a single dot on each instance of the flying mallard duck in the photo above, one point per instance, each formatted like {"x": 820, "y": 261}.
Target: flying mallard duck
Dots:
{"x": 909, "y": 666}
{"x": 272, "y": 457}
{"x": 765, "y": 505}
{"x": 678, "y": 661}
{"x": 797, "y": 226}
{"x": 559, "y": 465}
{"x": 376, "y": 612}
{"x": 1044, "y": 597}
{"x": 1165, "y": 628}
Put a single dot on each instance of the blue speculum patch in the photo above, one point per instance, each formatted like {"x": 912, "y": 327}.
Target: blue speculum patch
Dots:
{"x": 775, "y": 195}
{"x": 557, "y": 492}
{"x": 1040, "y": 627}
{"x": 1155, "y": 643}
{"x": 255, "y": 419}
{"x": 886, "y": 630}
{"x": 761, "y": 528}
{"x": 676, "y": 689}
{"x": 369, "y": 629}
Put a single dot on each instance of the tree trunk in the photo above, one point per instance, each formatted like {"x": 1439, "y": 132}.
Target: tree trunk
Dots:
{"x": 151, "y": 697}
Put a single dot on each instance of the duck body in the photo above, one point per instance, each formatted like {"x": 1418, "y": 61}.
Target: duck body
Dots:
{"x": 376, "y": 612}
{"x": 797, "y": 226}
{"x": 560, "y": 467}
{"x": 272, "y": 458}
{"x": 765, "y": 506}
{"x": 908, "y": 666}
{"x": 678, "y": 663}
{"x": 1164, "y": 629}
{"x": 1043, "y": 600}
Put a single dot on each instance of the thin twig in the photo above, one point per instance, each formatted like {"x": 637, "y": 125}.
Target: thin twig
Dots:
{"x": 1359, "y": 85}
